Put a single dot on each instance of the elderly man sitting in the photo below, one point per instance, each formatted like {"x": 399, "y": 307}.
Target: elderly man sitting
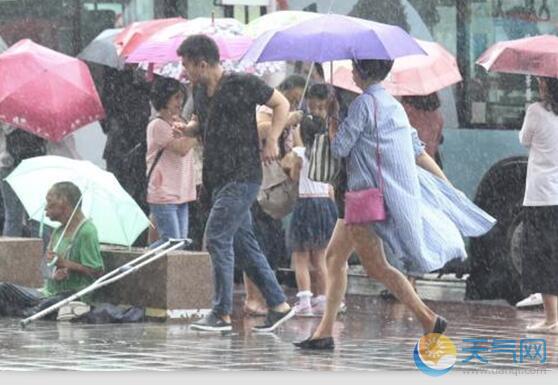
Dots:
{"x": 76, "y": 256}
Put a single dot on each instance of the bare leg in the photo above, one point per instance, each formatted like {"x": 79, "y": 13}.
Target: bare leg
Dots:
{"x": 370, "y": 249}
{"x": 413, "y": 282}
{"x": 337, "y": 253}
{"x": 301, "y": 261}
{"x": 317, "y": 259}
{"x": 550, "y": 308}
{"x": 254, "y": 299}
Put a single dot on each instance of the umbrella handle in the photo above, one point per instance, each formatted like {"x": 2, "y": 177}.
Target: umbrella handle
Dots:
{"x": 306, "y": 86}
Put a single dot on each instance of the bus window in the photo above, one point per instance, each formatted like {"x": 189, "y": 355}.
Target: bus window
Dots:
{"x": 498, "y": 100}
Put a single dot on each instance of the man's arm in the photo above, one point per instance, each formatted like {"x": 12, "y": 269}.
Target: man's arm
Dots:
{"x": 280, "y": 106}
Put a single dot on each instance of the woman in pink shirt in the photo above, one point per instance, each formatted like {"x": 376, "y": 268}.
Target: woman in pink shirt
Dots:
{"x": 169, "y": 161}
{"x": 425, "y": 116}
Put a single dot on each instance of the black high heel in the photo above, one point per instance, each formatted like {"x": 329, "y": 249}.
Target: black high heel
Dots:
{"x": 325, "y": 343}
{"x": 440, "y": 326}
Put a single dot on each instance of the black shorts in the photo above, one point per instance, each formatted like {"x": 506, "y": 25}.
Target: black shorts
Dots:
{"x": 539, "y": 246}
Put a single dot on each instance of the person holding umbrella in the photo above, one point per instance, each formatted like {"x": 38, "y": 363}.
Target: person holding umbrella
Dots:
{"x": 424, "y": 235}
{"x": 74, "y": 250}
{"x": 225, "y": 114}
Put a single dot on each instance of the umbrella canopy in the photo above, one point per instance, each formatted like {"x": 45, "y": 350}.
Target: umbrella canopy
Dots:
{"x": 410, "y": 75}
{"x": 333, "y": 37}
{"x": 136, "y": 33}
{"x": 229, "y": 34}
{"x": 230, "y": 48}
{"x": 45, "y": 92}
{"x": 277, "y": 20}
{"x": 102, "y": 50}
{"x": 536, "y": 55}
{"x": 118, "y": 218}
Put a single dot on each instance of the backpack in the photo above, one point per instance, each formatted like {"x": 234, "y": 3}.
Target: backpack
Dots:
{"x": 22, "y": 145}
{"x": 278, "y": 193}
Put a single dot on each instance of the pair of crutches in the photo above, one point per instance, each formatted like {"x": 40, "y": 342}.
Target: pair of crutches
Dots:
{"x": 114, "y": 275}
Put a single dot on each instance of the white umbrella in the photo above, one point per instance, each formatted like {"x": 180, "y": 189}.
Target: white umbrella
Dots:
{"x": 118, "y": 218}
{"x": 102, "y": 50}
{"x": 3, "y": 45}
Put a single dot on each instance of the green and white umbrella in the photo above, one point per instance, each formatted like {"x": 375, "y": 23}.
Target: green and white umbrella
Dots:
{"x": 276, "y": 20}
{"x": 118, "y": 218}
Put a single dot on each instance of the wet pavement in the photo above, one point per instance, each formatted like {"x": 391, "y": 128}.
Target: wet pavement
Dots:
{"x": 374, "y": 335}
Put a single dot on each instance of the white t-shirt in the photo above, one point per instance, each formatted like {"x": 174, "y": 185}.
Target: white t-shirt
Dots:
{"x": 307, "y": 188}
{"x": 540, "y": 135}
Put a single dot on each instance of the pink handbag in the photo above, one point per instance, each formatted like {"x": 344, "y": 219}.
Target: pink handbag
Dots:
{"x": 367, "y": 206}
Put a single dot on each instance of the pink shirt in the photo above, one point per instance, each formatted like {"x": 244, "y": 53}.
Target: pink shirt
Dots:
{"x": 429, "y": 125}
{"x": 172, "y": 180}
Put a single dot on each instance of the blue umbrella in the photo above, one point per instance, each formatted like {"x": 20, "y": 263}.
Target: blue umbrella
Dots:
{"x": 333, "y": 37}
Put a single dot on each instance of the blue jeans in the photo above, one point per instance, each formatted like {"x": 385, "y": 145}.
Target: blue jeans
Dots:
{"x": 14, "y": 213}
{"x": 230, "y": 223}
{"x": 171, "y": 221}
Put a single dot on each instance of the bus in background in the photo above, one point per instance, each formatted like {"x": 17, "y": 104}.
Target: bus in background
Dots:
{"x": 481, "y": 153}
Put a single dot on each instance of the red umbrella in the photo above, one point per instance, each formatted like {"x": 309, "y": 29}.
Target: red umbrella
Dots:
{"x": 136, "y": 33}
{"x": 45, "y": 92}
{"x": 536, "y": 55}
{"x": 410, "y": 75}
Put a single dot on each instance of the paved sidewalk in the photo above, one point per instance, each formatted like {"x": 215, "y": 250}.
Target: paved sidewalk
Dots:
{"x": 374, "y": 335}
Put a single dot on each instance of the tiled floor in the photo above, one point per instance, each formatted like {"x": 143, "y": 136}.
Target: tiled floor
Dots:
{"x": 374, "y": 335}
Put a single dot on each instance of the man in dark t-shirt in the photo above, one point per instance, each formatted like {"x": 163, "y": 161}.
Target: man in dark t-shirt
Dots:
{"x": 225, "y": 118}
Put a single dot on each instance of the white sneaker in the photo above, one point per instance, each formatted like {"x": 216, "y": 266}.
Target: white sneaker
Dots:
{"x": 532, "y": 300}
{"x": 303, "y": 309}
{"x": 72, "y": 310}
{"x": 318, "y": 308}
{"x": 542, "y": 328}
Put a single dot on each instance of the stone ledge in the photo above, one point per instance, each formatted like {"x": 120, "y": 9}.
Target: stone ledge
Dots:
{"x": 180, "y": 281}
{"x": 20, "y": 261}
{"x": 179, "y": 285}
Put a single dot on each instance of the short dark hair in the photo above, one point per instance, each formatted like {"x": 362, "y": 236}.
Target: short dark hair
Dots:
{"x": 319, "y": 91}
{"x": 429, "y": 102}
{"x": 373, "y": 69}
{"x": 291, "y": 82}
{"x": 199, "y": 47}
{"x": 162, "y": 90}
{"x": 550, "y": 100}
{"x": 69, "y": 191}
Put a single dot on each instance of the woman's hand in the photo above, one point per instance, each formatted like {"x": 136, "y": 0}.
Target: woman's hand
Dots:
{"x": 295, "y": 117}
{"x": 181, "y": 129}
{"x": 270, "y": 151}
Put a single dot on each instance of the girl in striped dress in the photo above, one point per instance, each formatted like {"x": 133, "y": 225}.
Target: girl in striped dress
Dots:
{"x": 313, "y": 217}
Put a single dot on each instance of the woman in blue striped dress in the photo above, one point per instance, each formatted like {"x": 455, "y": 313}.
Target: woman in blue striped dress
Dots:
{"x": 426, "y": 216}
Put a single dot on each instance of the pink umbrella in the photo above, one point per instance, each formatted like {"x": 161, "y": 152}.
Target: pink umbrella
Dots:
{"x": 45, "y": 92}
{"x": 136, "y": 33}
{"x": 536, "y": 55}
{"x": 160, "y": 48}
{"x": 230, "y": 47}
{"x": 410, "y": 75}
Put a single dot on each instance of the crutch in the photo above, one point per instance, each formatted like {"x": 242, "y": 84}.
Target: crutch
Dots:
{"x": 114, "y": 275}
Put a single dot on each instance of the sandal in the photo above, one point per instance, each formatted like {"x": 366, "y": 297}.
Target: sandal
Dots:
{"x": 254, "y": 312}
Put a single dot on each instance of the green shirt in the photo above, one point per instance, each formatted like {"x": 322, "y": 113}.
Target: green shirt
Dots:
{"x": 84, "y": 249}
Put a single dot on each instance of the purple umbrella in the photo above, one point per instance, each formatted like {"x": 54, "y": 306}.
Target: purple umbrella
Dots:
{"x": 333, "y": 37}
